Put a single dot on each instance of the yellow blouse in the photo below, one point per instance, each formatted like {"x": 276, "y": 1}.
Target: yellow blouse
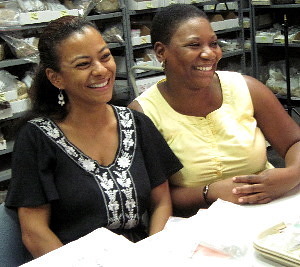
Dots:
{"x": 225, "y": 143}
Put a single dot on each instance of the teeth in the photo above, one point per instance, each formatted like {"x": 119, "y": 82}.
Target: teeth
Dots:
{"x": 204, "y": 68}
{"x": 99, "y": 85}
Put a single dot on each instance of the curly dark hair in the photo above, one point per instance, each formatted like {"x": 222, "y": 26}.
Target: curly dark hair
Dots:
{"x": 167, "y": 20}
{"x": 42, "y": 93}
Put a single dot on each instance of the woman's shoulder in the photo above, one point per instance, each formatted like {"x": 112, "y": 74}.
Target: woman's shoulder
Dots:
{"x": 229, "y": 76}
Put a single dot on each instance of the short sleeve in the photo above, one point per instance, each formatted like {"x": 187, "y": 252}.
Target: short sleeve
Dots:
{"x": 160, "y": 160}
{"x": 32, "y": 182}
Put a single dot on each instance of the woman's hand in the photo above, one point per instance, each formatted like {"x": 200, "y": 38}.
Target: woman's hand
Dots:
{"x": 223, "y": 189}
{"x": 36, "y": 234}
{"x": 264, "y": 187}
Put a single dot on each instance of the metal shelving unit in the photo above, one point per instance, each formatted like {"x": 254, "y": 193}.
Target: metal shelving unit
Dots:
{"x": 283, "y": 10}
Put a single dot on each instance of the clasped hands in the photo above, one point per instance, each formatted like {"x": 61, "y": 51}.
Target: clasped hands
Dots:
{"x": 255, "y": 188}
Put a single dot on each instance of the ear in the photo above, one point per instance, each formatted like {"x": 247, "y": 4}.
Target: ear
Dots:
{"x": 55, "y": 78}
{"x": 160, "y": 51}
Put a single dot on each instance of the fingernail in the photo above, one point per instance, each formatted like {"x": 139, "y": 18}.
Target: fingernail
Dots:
{"x": 234, "y": 191}
{"x": 241, "y": 200}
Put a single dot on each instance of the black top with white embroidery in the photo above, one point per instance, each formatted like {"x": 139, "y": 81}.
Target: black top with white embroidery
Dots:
{"x": 48, "y": 168}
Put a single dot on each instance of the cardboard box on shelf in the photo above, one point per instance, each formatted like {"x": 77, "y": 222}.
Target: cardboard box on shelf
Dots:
{"x": 144, "y": 37}
{"x": 231, "y": 20}
{"x": 44, "y": 16}
{"x": 193, "y": 1}
{"x": 145, "y": 83}
{"x": 265, "y": 37}
{"x": 145, "y": 63}
{"x": 20, "y": 105}
{"x": 142, "y": 4}
{"x": 217, "y": 22}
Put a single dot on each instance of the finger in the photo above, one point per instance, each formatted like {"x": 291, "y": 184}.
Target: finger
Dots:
{"x": 247, "y": 189}
{"x": 249, "y": 179}
{"x": 260, "y": 198}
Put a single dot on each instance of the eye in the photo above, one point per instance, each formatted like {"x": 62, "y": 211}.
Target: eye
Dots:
{"x": 214, "y": 44}
{"x": 194, "y": 45}
{"x": 106, "y": 56}
{"x": 82, "y": 65}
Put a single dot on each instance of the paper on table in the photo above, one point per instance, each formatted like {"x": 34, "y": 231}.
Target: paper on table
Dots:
{"x": 211, "y": 229}
{"x": 99, "y": 248}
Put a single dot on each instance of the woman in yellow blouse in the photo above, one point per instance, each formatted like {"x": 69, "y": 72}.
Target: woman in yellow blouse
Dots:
{"x": 216, "y": 122}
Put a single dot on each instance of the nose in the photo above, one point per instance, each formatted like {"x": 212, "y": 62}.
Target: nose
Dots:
{"x": 207, "y": 53}
{"x": 98, "y": 68}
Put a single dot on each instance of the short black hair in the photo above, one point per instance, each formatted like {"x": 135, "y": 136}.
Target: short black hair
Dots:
{"x": 167, "y": 20}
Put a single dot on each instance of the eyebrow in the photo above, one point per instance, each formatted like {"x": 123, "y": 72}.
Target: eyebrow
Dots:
{"x": 199, "y": 38}
{"x": 80, "y": 57}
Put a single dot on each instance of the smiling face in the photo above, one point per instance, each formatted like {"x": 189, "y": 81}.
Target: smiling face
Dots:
{"x": 87, "y": 68}
{"x": 192, "y": 55}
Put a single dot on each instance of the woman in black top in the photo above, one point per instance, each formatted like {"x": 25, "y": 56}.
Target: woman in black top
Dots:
{"x": 80, "y": 163}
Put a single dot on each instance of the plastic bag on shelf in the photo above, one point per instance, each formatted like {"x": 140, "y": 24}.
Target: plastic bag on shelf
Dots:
{"x": 9, "y": 13}
{"x": 28, "y": 78}
{"x": 113, "y": 33}
{"x": 8, "y": 81}
{"x": 55, "y": 5}
{"x": 22, "y": 47}
{"x": 32, "y": 5}
{"x": 277, "y": 78}
{"x": 84, "y": 6}
{"x": 105, "y": 6}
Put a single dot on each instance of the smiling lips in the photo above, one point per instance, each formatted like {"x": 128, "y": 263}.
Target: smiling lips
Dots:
{"x": 99, "y": 85}
{"x": 204, "y": 68}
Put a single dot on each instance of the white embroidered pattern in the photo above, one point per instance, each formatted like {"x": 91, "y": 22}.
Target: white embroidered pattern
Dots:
{"x": 115, "y": 181}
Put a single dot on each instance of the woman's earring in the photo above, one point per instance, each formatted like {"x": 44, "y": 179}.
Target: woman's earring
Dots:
{"x": 61, "y": 98}
{"x": 163, "y": 65}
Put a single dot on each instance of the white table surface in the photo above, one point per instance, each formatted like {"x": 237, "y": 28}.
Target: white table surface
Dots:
{"x": 223, "y": 224}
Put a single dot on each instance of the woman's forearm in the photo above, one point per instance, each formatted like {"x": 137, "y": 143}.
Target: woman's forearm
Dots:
{"x": 159, "y": 218}
{"x": 40, "y": 242}
{"x": 187, "y": 200}
{"x": 160, "y": 209}
{"x": 292, "y": 162}
{"x": 37, "y": 236}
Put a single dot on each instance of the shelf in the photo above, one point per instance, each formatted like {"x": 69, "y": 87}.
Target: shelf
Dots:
{"x": 14, "y": 116}
{"x": 18, "y": 61}
{"x": 277, "y": 45}
{"x": 105, "y": 16}
{"x": 44, "y": 24}
{"x": 154, "y": 10}
{"x": 143, "y": 46}
{"x": 281, "y": 6}
{"x": 5, "y": 175}
{"x": 229, "y": 30}
{"x": 9, "y": 149}
{"x": 115, "y": 45}
{"x": 146, "y": 74}
{"x": 22, "y": 27}
{"x": 233, "y": 53}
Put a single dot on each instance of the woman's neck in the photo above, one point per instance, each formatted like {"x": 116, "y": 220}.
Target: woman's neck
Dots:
{"x": 192, "y": 102}
{"x": 91, "y": 118}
